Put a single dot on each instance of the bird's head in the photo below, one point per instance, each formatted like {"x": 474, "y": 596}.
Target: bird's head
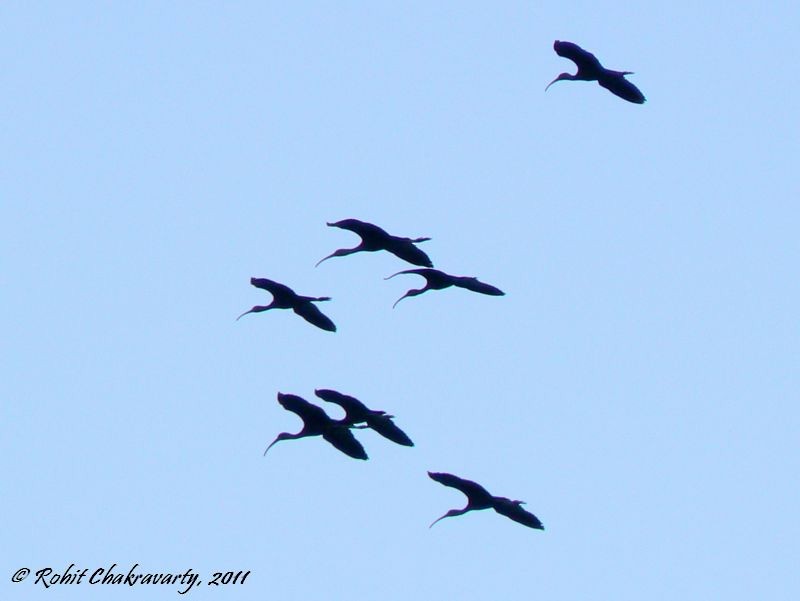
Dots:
{"x": 281, "y": 436}
{"x": 407, "y": 294}
{"x": 561, "y": 77}
{"x": 449, "y": 514}
{"x": 342, "y": 252}
{"x": 256, "y": 309}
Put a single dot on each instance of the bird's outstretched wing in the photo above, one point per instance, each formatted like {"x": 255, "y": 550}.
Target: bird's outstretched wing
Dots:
{"x": 274, "y": 288}
{"x": 313, "y": 315}
{"x": 517, "y": 513}
{"x": 384, "y": 426}
{"x": 405, "y": 249}
{"x": 355, "y": 410}
{"x": 584, "y": 59}
{"x": 477, "y": 286}
{"x": 362, "y": 228}
{"x": 473, "y": 490}
{"x": 301, "y": 407}
{"x": 342, "y": 438}
{"x": 621, "y": 87}
{"x": 427, "y": 273}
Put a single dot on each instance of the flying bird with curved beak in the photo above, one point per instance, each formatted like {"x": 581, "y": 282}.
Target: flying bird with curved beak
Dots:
{"x": 286, "y": 298}
{"x": 590, "y": 69}
{"x": 439, "y": 280}
{"x": 317, "y": 423}
{"x": 480, "y": 498}
{"x": 374, "y": 238}
{"x": 357, "y": 412}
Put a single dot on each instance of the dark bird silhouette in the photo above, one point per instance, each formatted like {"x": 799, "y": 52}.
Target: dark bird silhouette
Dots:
{"x": 479, "y": 498}
{"x": 286, "y": 298}
{"x": 357, "y": 412}
{"x": 590, "y": 69}
{"x": 374, "y": 238}
{"x": 439, "y": 280}
{"x": 317, "y": 423}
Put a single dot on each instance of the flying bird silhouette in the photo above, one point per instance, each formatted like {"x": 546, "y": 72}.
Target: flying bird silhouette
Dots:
{"x": 357, "y": 412}
{"x": 438, "y": 280}
{"x": 479, "y": 498}
{"x": 374, "y": 238}
{"x": 590, "y": 69}
{"x": 317, "y": 423}
{"x": 286, "y": 298}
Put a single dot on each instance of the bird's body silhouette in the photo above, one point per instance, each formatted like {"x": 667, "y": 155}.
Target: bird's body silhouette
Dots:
{"x": 480, "y": 498}
{"x": 374, "y": 238}
{"x": 357, "y": 412}
{"x": 439, "y": 280}
{"x": 317, "y": 423}
{"x": 286, "y": 298}
{"x": 590, "y": 69}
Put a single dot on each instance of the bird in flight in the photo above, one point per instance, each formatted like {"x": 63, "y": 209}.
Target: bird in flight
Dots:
{"x": 357, "y": 412}
{"x": 286, "y": 298}
{"x": 590, "y": 69}
{"x": 374, "y": 238}
{"x": 479, "y": 498}
{"x": 438, "y": 280}
{"x": 317, "y": 423}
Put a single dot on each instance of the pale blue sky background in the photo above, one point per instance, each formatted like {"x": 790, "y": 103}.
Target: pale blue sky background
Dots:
{"x": 638, "y": 385}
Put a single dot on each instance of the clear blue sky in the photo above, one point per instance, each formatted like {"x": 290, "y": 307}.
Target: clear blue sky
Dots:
{"x": 638, "y": 384}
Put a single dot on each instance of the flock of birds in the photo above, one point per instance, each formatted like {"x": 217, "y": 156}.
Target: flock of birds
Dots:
{"x": 373, "y": 238}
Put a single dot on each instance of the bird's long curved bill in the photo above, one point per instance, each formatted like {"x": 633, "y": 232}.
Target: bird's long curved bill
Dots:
{"x": 243, "y": 314}
{"x": 402, "y": 297}
{"x": 552, "y": 82}
{"x": 436, "y": 520}
{"x": 324, "y": 259}
{"x": 270, "y": 446}
{"x": 399, "y": 299}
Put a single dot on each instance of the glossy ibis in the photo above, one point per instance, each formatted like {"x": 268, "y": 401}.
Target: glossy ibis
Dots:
{"x": 286, "y": 298}
{"x": 357, "y": 412}
{"x": 317, "y": 423}
{"x": 438, "y": 280}
{"x": 590, "y": 69}
{"x": 479, "y": 498}
{"x": 374, "y": 238}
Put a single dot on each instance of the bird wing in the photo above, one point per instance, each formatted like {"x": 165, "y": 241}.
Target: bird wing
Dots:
{"x": 473, "y": 490}
{"x": 362, "y": 228}
{"x": 301, "y": 407}
{"x": 312, "y": 314}
{"x": 623, "y": 88}
{"x": 582, "y": 58}
{"x": 272, "y": 287}
{"x": 405, "y": 249}
{"x": 355, "y": 410}
{"x": 384, "y": 426}
{"x": 425, "y": 272}
{"x": 342, "y": 438}
{"x": 477, "y": 286}
{"x": 517, "y": 513}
